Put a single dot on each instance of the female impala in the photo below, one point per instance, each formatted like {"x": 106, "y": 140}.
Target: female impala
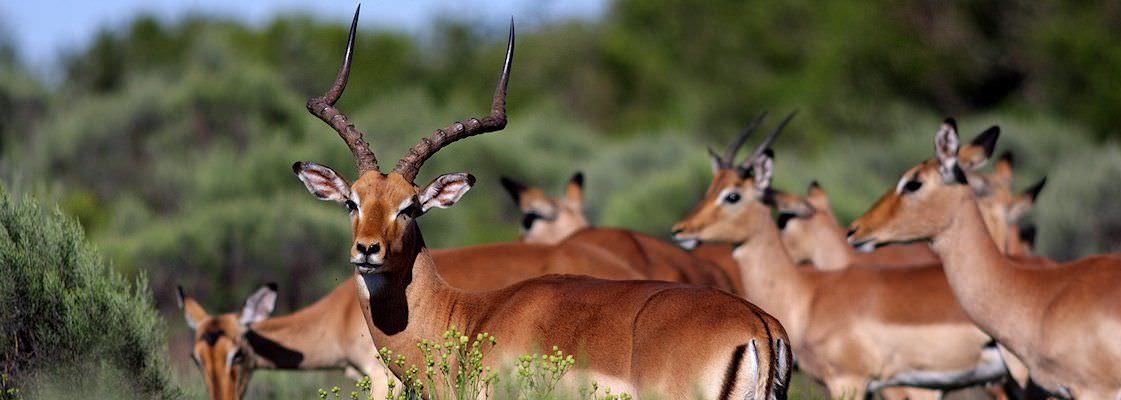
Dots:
{"x": 674, "y": 339}
{"x": 811, "y": 233}
{"x": 856, "y": 329}
{"x": 561, "y": 222}
{"x": 1062, "y": 322}
{"x": 329, "y": 334}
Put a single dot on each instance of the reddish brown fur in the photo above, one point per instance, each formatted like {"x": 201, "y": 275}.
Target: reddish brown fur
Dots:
{"x": 1062, "y": 322}
{"x": 564, "y": 224}
{"x": 603, "y": 321}
{"x": 849, "y": 326}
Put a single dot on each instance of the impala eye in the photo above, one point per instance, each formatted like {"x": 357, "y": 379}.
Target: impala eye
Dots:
{"x": 732, "y": 198}
{"x": 912, "y": 186}
{"x": 351, "y": 206}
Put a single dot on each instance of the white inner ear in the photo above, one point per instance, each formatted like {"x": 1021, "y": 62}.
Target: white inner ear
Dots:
{"x": 444, "y": 191}
{"x": 324, "y": 183}
{"x": 763, "y": 171}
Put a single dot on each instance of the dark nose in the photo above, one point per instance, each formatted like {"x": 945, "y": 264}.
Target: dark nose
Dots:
{"x": 368, "y": 249}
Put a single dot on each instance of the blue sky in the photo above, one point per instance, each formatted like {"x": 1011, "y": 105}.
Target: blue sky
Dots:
{"x": 43, "y": 29}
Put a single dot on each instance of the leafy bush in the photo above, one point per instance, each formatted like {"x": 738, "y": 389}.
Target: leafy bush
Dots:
{"x": 66, "y": 310}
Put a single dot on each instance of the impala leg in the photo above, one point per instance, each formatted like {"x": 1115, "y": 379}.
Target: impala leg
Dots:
{"x": 1016, "y": 368}
{"x": 909, "y": 393}
{"x": 847, "y": 388}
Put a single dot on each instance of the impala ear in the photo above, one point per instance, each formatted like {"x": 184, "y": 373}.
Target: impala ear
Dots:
{"x": 322, "y": 182}
{"x": 259, "y": 306}
{"x": 445, "y": 190}
{"x": 786, "y": 203}
{"x": 1024, "y": 202}
{"x": 715, "y": 161}
{"x": 192, "y": 311}
{"x": 514, "y": 188}
{"x": 816, "y": 196}
{"x": 762, "y": 168}
{"x": 574, "y": 190}
{"x": 946, "y": 149}
{"x": 975, "y": 155}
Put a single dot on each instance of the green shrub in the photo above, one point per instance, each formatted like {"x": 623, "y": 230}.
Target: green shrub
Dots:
{"x": 66, "y": 312}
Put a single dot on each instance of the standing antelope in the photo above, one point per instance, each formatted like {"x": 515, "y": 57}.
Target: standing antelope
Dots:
{"x": 676, "y": 340}
{"x": 561, "y": 221}
{"x": 856, "y": 329}
{"x": 1063, "y": 322}
{"x": 329, "y": 334}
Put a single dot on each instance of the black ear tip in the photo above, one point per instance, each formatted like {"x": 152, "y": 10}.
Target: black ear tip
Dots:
{"x": 1028, "y": 234}
{"x": 297, "y": 167}
{"x": 987, "y": 139}
{"x": 951, "y": 122}
{"x": 271, "y": 285}
{"x": 578, "y": 178}
{"x": 770, "y": 153}
{"x": 471, "y": 180}
{"x": 1033, "y": 191}
{"x": 814, "y": 184}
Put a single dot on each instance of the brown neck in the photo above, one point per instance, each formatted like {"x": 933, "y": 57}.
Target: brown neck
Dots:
{"x": 314, "y": 337}
{"x": 994, "y": 293}
{"x": 830, "y": 250}
{"x": 409, "y": 301}
{"x": 770, "y": 277}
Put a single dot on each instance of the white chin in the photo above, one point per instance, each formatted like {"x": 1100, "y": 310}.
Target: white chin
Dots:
{"x": 688, "y": 244}
{"x": 866, "y": 247}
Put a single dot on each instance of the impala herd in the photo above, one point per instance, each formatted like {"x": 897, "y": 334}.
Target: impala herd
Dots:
{"x": 739, "y": 302}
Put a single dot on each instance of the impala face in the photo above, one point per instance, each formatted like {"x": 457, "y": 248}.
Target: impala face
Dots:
{"x": 220, "y": 350}
{"x": 737, "y": 197}
{"x": 549, "y": 220}
{"x": 915, "y": 208}
{"x": 380, "y": 206}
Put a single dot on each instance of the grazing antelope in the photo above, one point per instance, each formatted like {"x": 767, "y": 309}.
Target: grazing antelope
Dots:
{"x": 676, "y": 340}
{"x": 1063, "y": 322}
{"x": 856, "y": 329}
{"x": 561, "y": 221}
{"x": 329, "y": 334}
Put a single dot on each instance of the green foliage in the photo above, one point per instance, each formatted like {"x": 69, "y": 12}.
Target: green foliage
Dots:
{"x": 67, "y": 310}
{"x": 539, "y": 374}
{"x": 453, "y": 368}
{"x": 171, "y": 142}
{"x": 7, "y": 391}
